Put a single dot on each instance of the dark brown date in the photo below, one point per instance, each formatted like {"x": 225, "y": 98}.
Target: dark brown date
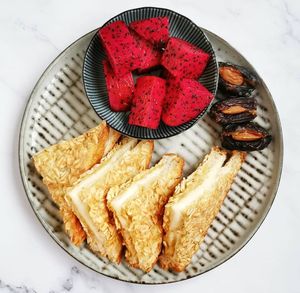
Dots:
{"x": 236, "y": 80}
{"x": 234, "y": 110}
{"x": 245, "y": 137}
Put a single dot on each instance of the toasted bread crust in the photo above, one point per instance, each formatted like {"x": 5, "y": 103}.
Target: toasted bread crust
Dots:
{"x": 183, "y": 240}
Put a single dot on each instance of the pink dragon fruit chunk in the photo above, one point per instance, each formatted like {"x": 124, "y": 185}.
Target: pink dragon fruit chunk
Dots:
{"x": 150, "y": 57}
{"x": 183, "y": 59}
{"x": 120, "y": 88}
{"x": 147, "y": 102}
{"x": 184, "y": 101}
{"x": 121, "y": 48}
{"x": 155, "y": 30}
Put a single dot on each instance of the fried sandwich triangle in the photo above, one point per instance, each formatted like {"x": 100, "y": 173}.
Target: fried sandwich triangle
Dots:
{"x": 137, "y": 207}
{"x": 194, "y": 205}
{"x": 88, "y": 196}
{"x": 60, "y": 165}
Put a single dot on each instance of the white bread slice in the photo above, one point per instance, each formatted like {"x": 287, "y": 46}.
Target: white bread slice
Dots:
{"x": 88, "y": 196}
{"x": 194, "y": 205}
{"x": 138, "y": 206}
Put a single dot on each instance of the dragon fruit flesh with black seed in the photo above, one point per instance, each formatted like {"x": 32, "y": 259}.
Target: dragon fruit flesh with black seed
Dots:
{"x": 155, "y": 30}
{"x": 121, "y": 48}
{"x": 120, "y": 88}
{"x": 183, "y": 59}
{"x": 147, "y": 102}
{"x": 185, "y": 100}
{"x": 150, "y": 56}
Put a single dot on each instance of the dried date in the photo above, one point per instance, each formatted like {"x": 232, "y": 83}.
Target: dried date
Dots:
{"x": 245, "y": 137}
{"x": 236, "y": 80}
{"x": 234, "y": 110}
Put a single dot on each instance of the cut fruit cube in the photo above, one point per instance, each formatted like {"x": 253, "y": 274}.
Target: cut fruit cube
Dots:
{"x": 119, "y": 88}
{"x": 147, "y": 102}
{"x": 155, "y": 30}
{"x": 183, "y": 59}
{"x": 185, "y": 100}
{"x": 121, "y": 48}
{"x": 150, "y": 56}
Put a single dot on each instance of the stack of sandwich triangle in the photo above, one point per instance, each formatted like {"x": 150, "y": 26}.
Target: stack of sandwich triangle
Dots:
{"x": 108, "y": 195}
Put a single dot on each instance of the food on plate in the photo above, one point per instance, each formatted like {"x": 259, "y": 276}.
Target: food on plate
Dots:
{"x": 234, "y": 110}
{"x": 139, "y": 47}
{"x": 147, "y": 102}
{"x": 194, "y": 205}
{"x": 150, "y": 56}
{"x": 106, "y": 194}
{"x": 60, "y": 165}
{"x": 185, "y": 100}
{"x": 182, "y": 59}
{"x": 104, "y": 188}
{"x": 155, "y": 30}
{"x": 138, "y": 206}
{"x": 119, "y": 88}
{"x": 122, "y": 50}
{"x": 87, "y": 196}
{"x": 236, "y": 80}
{"x": 245, "y": 137}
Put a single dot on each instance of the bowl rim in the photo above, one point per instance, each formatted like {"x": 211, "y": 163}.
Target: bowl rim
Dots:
{"x": 54, "y": 238}
{"x": 213, "y": 57}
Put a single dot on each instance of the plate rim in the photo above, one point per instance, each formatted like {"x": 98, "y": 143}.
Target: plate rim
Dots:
{"x": 234, "y": 252}
{"x": 214, "y": 55}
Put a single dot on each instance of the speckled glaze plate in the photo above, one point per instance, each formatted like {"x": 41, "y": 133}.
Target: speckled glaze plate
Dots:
{"x": 58, "y": 109}
{"x": 94, "y": 81}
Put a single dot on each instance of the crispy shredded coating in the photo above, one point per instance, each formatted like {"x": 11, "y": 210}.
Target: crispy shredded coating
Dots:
{"x": 64, "y": 162}
{"x": 71, "y": 222}
{"x": 139, "y": 217}
{"x": 61, "y": 164}
{"x": 125, "y": 161}
{"x": 183, "y": 235}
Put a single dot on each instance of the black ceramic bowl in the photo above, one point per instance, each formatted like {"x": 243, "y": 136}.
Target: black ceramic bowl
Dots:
{"x": 94, "y": 81}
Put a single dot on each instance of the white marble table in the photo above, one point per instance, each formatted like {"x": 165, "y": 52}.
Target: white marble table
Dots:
{"x": 34, "y": 32}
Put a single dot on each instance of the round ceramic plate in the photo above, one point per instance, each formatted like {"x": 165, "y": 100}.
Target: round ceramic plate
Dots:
{"x": 58, "y": 109}
{"x": 94, "y": 81}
